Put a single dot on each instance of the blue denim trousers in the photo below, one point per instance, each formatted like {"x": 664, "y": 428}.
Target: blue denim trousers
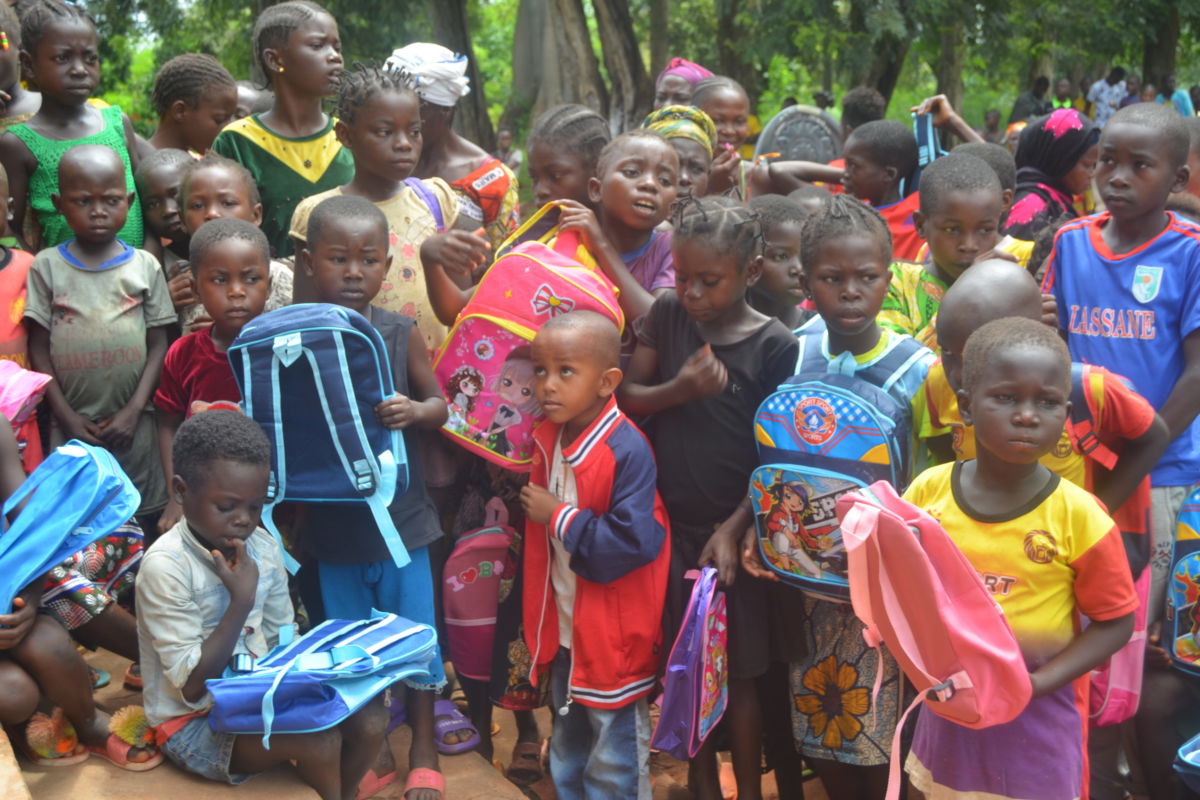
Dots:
{"x": 597, "y": 753}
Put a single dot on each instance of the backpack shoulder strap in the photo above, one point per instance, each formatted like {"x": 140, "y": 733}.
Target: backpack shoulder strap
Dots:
{"x": 430, "y": 200}
{"x": 1081, "y": 426}
{"x": 897, "y": 359}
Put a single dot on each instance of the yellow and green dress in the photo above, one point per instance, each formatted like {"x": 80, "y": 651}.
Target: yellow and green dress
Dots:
{"x": 287, "y": 170}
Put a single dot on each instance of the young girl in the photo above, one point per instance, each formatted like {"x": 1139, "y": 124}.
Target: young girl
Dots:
{"x": 213, "y": 188}
{"x": 780, "y": 293}
{"x": 704, "y": 362}
{"x": 564, "y": 146}
{"x": 379, "y": 124}
{"x": 291, "y": 150}
{"x": 1056, "y": 157}
{"x": 1012, "y": 516}
{"x": 514, "y": 387}
{"x": 194, "y": 97}
{"x": 727, "y": 104}
{"x": 20, "y": 104}
{"x": 61, "y": 57}
{"x": 463, "y": 387}
{"x": 692, "y": 133}
{"x": 845, "y": 251}
{"x": 486, "y": 188}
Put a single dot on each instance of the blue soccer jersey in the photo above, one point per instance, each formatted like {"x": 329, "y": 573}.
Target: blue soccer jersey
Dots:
{"x": 1130, "y": 314}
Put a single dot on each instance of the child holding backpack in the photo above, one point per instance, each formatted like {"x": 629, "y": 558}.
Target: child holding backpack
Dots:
{"x": 346, "y": 257}
{"x": 845, "y": 250}
{"x": 214, "y": 586}
{"x": 1047, "y": 552}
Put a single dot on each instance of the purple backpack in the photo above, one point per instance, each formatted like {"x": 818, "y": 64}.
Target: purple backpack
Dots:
{"x": 694, "y": 688}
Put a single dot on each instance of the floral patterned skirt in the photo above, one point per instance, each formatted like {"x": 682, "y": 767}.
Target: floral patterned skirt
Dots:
{"x": 832, "y": 714}
{"x": 79, "y": 589}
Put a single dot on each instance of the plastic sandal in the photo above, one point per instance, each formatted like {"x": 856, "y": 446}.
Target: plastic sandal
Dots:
{"x": 373, "y": 784}
{"x": 100, "y": 678}
{"x": 128, "y": 730}
{"x": 49, "y": 741}
{"x": 425, "y": 778}
{"x": 132, "y": 680}
{"x": 525, "y": 769}
{"x": 448, "y": 719}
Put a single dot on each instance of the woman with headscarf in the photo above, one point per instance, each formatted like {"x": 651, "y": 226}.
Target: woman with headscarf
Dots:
{"x": 1056, "y": 156}
{"x": 673, "y": 87}
{"x": 694, "y": 136}
{"x": 486, "y": 188}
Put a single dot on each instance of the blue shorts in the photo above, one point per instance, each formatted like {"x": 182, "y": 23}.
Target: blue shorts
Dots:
{"x": 198, "y": 748}
{"x": 350, "y": 591}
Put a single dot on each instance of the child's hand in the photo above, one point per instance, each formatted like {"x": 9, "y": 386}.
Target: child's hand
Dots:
{"x": 578, "y": 217}
{"x": 703, "y": 374}
{"x": 117, "y": 431}
{"x": 170, "y": 515}
{"x": 183, "y": 290}
{"x": 752, "y": 559}
{"x": 1156, "y": 654}
{"x": 396, "y": 412}
{"x": 239, "y": 573}
{"x": 1050, "y": 311}
{"x": 538, "y": 503}
{"x": 456, "y": 251}
{"x": 721, "y": 551}
{"x": 723, "y": 174}
{"x": 77, "y": 426}
{"x": 938, "y": 106}
{"x": 15, "y": 626}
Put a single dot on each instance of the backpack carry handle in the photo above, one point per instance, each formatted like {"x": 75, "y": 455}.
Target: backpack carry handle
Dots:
{"x": 567, "y": 242}
{"x": 495, "y": 513}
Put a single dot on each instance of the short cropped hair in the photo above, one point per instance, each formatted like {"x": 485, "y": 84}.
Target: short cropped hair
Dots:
{"x": 217, "y": 435}
{"x": 889, "y": 144}
{"x": 1010, "y": 333}
{"x": 956, "y": 172}
{"x": 213, "y": 160}
{"x": 613, "y": 147}
{"x": 215, "y": 231}
{"x": 1174, "y": 136}
{"x": 167, "y": 157}
{"x": 343, "y": 206}
{"x": 998, "y": 157}
{"x": 861, "y": 105}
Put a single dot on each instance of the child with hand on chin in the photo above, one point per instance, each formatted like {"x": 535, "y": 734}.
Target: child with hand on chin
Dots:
{"x": 597, "y": 555}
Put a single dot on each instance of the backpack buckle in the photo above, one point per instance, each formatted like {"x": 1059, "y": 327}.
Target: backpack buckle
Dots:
{"x": 272, "y": 487}
{"x": 364, "y": 478}
{"x": 943, "y": 691}
{"x": 241, "y": 662}
{"x": 1088, "y": 442}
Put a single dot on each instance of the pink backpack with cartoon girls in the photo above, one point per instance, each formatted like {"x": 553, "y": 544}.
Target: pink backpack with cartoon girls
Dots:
{"x": 484, "y": 366}
{"x": 916, "y": 592}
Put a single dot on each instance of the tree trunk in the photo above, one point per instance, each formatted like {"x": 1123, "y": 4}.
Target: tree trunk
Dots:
{"x": 450, "y": 30}
{"x": 571, "y": 72}
{"x": 1160, "y": 44}
{"x": 731, "y": 46}
{"x": 884, "y": 70}
{"x": 631, "y": 91}
{"x": 527, "y": 65}
{"x": 949, "y": 67}
{"x": 660, "y": 14}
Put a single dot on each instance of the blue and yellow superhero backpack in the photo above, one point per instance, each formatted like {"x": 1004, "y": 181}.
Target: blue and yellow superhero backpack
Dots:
{"x": 1181, "y": 631}
{"x": 828, "y": 430}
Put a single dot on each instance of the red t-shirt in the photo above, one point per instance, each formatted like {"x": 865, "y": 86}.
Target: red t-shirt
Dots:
{"x": 906, "y": 242}
{"x": 193, "y": 371}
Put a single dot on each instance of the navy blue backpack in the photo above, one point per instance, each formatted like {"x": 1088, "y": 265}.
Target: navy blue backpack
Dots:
{"x": 311, "y": 375}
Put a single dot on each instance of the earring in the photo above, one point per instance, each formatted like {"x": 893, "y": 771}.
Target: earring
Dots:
{"x": 4, "y": 40}
{"x": 281, "y": 69}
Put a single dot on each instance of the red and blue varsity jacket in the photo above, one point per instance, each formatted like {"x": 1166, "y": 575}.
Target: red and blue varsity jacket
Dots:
{"x": 620, "y": 553}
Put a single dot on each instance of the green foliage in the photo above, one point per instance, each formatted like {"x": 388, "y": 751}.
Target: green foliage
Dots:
{"x": 492, "y": 23}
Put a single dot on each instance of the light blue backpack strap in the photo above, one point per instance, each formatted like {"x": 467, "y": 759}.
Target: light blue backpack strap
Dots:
{"x": 279, "y": 474}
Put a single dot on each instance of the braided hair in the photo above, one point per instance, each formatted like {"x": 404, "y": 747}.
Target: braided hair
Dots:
{"x": 276, "y": 23}
{"x": 44, "y": 13}
{"x": 843, "y": 215}
{"x": 364, "y": 81}
{"x": 573, "y": 129}
{"x": 187, "y": 77}
{"x": 730, "y": 227}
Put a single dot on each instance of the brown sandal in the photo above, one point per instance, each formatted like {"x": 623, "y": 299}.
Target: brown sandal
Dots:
{"x": 525, "y": 769}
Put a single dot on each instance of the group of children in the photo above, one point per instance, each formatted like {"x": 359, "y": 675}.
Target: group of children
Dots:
{"x": 154, "y": 255}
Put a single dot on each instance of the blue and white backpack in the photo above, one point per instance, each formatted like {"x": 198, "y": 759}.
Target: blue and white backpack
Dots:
{"x": 828, "y": 430}
{"x": 311, "y": 375}
{"x": 1181, "y": 634}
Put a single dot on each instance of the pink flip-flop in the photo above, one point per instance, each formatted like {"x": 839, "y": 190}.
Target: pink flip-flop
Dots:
{"x": 116, "y": 752}
{"x": 425, "y": 778}
{"x": 373, "y": 784}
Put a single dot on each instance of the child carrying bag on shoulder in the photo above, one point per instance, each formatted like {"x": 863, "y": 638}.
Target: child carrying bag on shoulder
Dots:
{"x": 695, "y": 687}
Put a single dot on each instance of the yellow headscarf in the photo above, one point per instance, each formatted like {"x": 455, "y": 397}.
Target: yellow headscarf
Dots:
{"x": 684, "y": 122}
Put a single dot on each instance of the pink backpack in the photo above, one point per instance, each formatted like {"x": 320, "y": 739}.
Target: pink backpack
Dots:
{"x": 916, "y": 592}
{"x": 20, "y": 391}
{"x": 1117, "y": 685}
{"x": 471, "y": 583}
{"x": 484, "y": 366}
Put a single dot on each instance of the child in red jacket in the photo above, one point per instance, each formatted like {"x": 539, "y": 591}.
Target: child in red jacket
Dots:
{"x": 596, "y": 560}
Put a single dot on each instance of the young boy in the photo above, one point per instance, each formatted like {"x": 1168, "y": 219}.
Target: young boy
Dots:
{"x": 346, "y": 256}
{"x": 596, "y": 561}
{"x": 881, "y": 158}
{"x": 960, "y": 208}
{"x": 229, "y": 263}
{"x": 157, "y": 179}
{"x": 214, "y": 586}
{"x": 1127, "y": 286}
{"x": 97, "y": 311}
